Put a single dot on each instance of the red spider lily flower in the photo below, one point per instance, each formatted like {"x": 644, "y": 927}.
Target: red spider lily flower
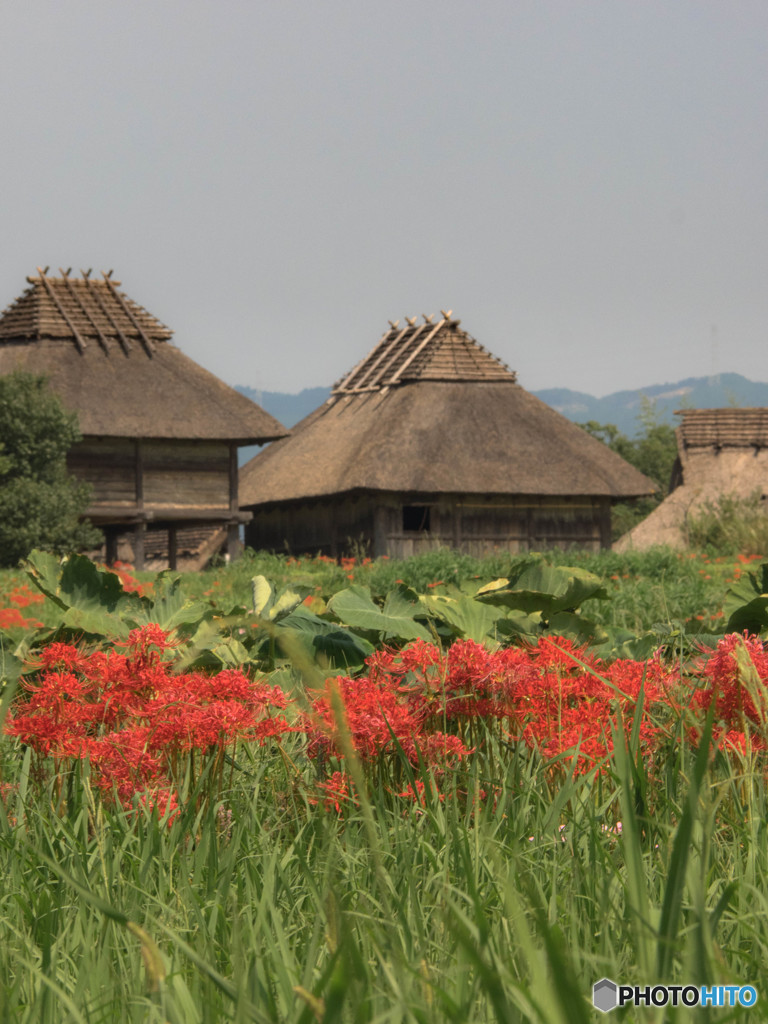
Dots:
{"x": 736, "y": 679}
{"x": 336, "y": 793}
{"x": 130, "y": 716}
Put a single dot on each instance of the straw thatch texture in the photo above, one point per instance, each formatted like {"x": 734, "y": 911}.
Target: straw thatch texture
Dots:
{"x": 438, "y": 437}
{"x": 721, "y": 452}
{"x": 111, "y": 362}
{"x": 429, "y": 413}
{"x": 160, "y": 434}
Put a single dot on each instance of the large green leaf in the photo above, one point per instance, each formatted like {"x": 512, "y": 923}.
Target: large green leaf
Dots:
{"x": 270, "y": 606}
{"x": 545, "y": 588}
{"x": 520, "y": 624}
{"x": 318, "y": 637}
{"x": 469, "y": 619}
{"x": 746, "y": 603}
{"x": 263, "y": 594}
{"x": 354, "y": 607}
{"x": 92, "y": 600}
{"x": 623, "y": 643}
{"x": 170, "y": 608}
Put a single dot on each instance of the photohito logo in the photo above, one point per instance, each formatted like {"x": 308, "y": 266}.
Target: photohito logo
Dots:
{"x": 607, "y": 995}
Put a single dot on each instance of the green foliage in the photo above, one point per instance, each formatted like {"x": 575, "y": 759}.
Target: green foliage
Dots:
{"x": 295, "y": 631}
{"x": 355, "y": 607}
{"x": 746, "y": 604}
{"x": 267, "y": 908}
{"x": 646, "y": 589}
{"x": 40, "y": 504}
{"x": 89, "y": 603}
{"x": 730, "y": 526}
{"x": 653, "y": 452}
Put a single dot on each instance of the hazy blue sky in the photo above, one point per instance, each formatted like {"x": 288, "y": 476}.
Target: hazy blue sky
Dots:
{"x": 583, "y": 183}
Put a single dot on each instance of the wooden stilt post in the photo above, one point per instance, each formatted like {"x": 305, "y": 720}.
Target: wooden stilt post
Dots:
{"x": 110, "y": 539}
{"x": 233, "y": 541}
{"x": 173, "y": 547}
{"x": 139, "y": 532}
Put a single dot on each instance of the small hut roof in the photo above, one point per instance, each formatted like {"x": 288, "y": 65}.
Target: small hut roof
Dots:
{"x": 723, "y": 428}
{"x": 722, "y": 452}
{"x": 112, "y": 362}
{"x": 435, "y": 413}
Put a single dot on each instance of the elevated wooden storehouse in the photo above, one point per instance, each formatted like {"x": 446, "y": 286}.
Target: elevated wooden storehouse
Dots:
{"x": 720, "y": 453}
{"x": 160, "y": 433}
{"x": 431, "y": 441}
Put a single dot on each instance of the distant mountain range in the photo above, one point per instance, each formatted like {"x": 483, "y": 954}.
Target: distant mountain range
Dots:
{"x": 623, "y": 408}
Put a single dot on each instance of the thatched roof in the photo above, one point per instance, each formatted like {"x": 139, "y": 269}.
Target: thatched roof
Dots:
{"x": 112, "y": 362}
{"x": 429, "y": 411}
{"x": 721, "y": 452}
{"x": 722, "y": 428}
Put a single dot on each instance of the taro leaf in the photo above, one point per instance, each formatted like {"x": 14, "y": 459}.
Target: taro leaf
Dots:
{"x": 577, "y": 627}
{"x": 491, "y": 588}
{"x": 263, "y": 594}
{"x": 287, "y": 601}
{"x": 746, "y": 603}
{"x": 355, "y": 608}
{"x": 10, "y": 671}
{"x": 318, "y": 636}
{"x": 403, "y": 603}
{"x": 623, "y": 643}
{"x": 208, "y": 648}
{"x": 520, "y": 624}
{"x": 170, "y": 608}
{"x": 270, "y": 607}
{"x": 470, "y": 619}
{"x": 545, "y": 588}
{"x": 43, "y": 569}
{"x": 92, "y": 599}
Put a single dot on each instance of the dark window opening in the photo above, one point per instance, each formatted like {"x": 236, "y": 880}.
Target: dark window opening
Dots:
{"x": 416, "y": 518}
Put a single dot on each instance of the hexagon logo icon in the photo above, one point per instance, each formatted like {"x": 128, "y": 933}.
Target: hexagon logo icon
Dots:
{"x": 605, "y": 995}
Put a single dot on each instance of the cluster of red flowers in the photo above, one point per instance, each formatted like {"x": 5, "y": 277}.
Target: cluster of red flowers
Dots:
{"x": 20, "y": 597}
{"x": 735, "y": 678}
{"x": 139, "y": 723}
{"x": 553, "y": 696}
{"x": 124, "y": 571}
{"x": 133, "y": 718}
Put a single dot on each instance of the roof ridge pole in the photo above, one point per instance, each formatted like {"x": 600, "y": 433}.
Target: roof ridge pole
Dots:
{"x": 55, "y": 299}
{"x": 93, "y": 292}
{"x": 124, "y": 306}
{"x": 398, "y": 349}
{"x": 380, "y": 345}
{"x": 419, "y": 348}
{"x": 84, "y": 309}
{"x": 373, "y": 373}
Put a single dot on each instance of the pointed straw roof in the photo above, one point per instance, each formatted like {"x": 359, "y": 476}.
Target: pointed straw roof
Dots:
{"x": 430, "y": 411}
{"x": 112, "y": 362}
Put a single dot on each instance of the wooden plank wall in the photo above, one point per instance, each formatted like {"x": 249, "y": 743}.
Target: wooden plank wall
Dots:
{"x": 109, "y": 465}
{"x": 474, "y": 526}
{"x": 320, "y": 527}
{"x": 173, "y": 474}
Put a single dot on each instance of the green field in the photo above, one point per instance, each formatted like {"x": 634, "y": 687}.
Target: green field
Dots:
{"x": 330, "y": 872}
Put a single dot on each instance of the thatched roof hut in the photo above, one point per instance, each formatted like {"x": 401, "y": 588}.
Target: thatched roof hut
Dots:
{"x": 721, "y": 452}
{"x": 430, "y": 440}
{"x": 160, "y": 433}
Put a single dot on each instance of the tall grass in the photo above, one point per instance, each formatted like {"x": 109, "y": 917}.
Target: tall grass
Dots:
{"x": 503, "y": 897}
{"x": 729, "y": 526}
{"x": 268, "y": 907}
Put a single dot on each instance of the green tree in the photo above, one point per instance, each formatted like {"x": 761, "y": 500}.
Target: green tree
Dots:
{"x": 653, "y": 452}
{"x": 40, "y": 504}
